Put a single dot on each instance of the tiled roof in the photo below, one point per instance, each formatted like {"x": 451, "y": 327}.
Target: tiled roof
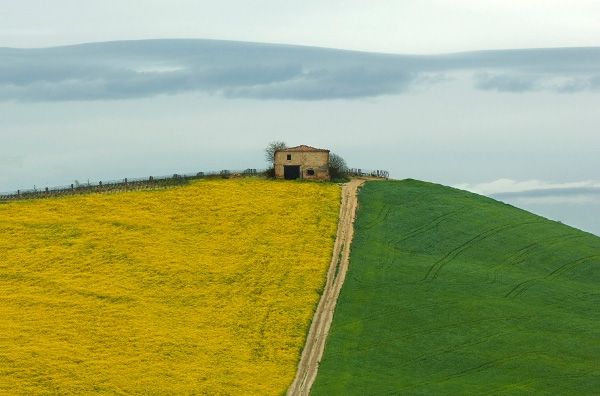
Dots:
{"x": 303, "y": 148}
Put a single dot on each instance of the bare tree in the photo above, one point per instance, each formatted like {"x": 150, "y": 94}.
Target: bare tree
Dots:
{"x": 337, "y": 166}
{"x": 270, "y": 150}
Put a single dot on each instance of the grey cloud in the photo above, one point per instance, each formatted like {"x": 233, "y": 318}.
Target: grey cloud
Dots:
{"x": 506, "y": 82}
{"x": 327, "y": 84}
{"x": 109, "y": 83}
{"x": 551, "y": 192}
{"x": 136, "y": 69}
{"x": 515, "y": 82}
{"x": 579, "y": 84}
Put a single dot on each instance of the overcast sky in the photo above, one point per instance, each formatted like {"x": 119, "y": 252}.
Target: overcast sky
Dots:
{"x": 399, "y": 26}
{"x": 521, "y": 126}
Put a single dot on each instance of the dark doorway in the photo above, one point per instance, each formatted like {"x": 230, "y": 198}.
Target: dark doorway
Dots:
{"x": 291, "y": 172}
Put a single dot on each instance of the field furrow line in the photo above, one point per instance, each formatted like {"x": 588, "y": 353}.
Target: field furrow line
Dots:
{"x": 435, "y": 269}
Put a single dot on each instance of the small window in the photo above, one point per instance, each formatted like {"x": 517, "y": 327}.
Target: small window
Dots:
{"x": 310, "y": 172}
{"x": 289, "y": 157}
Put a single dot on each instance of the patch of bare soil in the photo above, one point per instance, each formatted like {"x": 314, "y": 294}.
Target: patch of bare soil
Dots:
{"x": 315, "y": 342}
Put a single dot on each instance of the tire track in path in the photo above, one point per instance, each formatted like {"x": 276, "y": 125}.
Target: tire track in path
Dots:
{"x": 319, "y": 328}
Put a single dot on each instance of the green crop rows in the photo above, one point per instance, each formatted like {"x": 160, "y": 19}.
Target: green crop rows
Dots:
{"x": 453, "y": 293}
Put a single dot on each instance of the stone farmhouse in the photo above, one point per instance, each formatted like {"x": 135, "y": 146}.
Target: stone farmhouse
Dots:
{"x": 302, "y": 162}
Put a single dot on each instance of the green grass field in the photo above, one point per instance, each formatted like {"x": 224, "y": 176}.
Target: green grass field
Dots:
{"x": 452, "y": 293}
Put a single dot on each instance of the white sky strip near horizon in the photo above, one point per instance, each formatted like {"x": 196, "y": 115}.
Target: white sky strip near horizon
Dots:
{"x": 411, "y": 26}
{"x": 515, "y": 186}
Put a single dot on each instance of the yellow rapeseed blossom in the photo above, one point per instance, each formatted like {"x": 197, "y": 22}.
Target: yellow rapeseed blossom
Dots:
{"x": 207, "y": 288}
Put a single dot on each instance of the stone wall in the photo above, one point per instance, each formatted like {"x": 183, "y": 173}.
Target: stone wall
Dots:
{"x": 315, "y": 161}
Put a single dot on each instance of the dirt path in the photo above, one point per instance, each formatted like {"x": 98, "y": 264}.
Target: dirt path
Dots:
{"x": 317, "y": 335}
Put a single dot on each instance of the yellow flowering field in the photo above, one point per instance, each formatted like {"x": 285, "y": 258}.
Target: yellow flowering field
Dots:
{"x": 207, "y": 288}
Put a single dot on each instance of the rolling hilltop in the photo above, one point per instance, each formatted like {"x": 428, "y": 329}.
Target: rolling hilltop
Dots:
{"x": 453, "y": 293}
{"x": 210, "y": 288}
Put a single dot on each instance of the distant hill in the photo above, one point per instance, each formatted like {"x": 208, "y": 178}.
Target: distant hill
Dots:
{"x": 453, "y": 293}
{"x": 135, "y": 69}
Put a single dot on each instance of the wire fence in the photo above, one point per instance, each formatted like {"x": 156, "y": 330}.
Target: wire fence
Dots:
{"x": 150, "y": 182}
{"x": 358, "y": 172}
{"x": 138, "y": 183}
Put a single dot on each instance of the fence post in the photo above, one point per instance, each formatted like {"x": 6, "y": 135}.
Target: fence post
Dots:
{"x": 81, "y": 187}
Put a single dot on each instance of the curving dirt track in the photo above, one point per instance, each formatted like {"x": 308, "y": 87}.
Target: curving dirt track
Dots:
{"x": 317, "y": 335}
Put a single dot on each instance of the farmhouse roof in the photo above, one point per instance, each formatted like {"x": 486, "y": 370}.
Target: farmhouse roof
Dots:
{"x": 303, "y": 148}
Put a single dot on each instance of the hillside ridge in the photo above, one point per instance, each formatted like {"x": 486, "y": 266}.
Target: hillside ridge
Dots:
{"x": 450, "y": 292}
